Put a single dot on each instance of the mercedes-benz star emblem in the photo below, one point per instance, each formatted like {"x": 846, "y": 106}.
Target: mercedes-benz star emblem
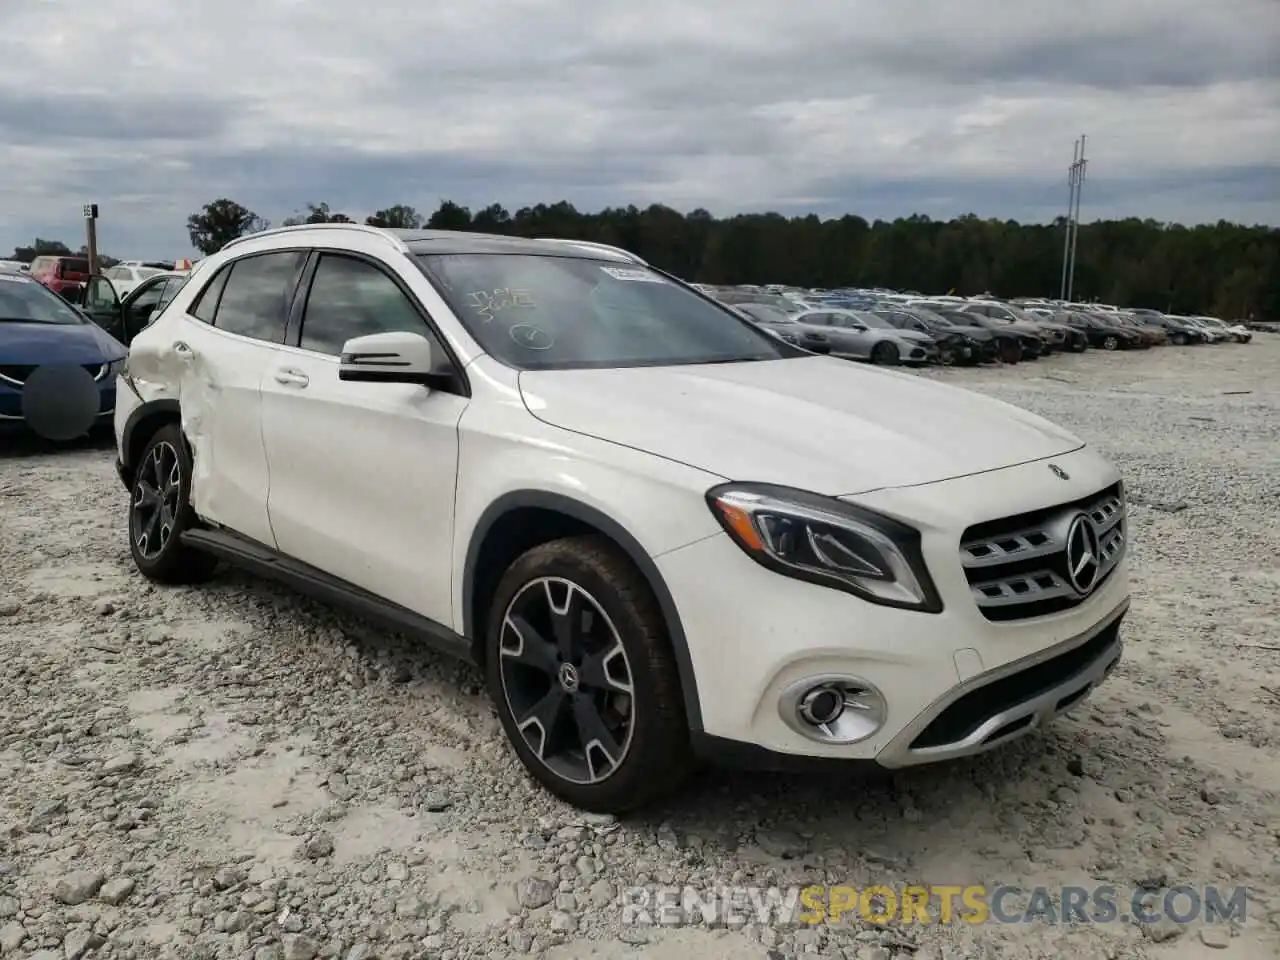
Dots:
{"x": 1083, "y": 560}
{"x": 1059, "y": 472}
{"x": 568, "y": 678}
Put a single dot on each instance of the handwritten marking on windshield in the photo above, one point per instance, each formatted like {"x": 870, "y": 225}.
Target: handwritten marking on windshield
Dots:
{"x": 638, "y": 276}
{"x": 488, "y": 302}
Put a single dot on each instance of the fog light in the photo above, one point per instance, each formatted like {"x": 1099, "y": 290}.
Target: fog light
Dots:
{"x": 833, "y": 709}
{"x": 822, "y": 704}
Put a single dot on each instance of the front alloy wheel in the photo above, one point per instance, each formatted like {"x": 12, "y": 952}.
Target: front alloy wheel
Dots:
{"x": 579, "y": 662}
{"x": 157, "y": 491}
{"x": 567, "y": 680}
{"x": 1110, "y": 343}
{"x": 885, "y": 354}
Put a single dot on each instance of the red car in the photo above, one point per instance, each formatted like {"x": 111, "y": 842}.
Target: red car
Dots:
{"x": 65, "y": 276}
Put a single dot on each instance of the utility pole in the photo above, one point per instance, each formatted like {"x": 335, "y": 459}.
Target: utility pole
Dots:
{"x": 91, "y": 235}
{"x": 1071, "y": 203}
{"x": 1081, "y": 165}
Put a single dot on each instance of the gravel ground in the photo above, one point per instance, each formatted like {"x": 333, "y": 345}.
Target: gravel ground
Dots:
{"x": 235, "y": 772}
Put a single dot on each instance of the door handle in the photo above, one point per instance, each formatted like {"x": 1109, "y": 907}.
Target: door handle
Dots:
{"x": 292, "y": 377}
{"x": 183, "y": 352}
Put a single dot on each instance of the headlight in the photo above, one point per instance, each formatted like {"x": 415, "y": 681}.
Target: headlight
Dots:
{"x": 827, "y": 542}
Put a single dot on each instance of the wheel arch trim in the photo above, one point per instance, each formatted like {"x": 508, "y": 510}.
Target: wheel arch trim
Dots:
{"x": 576, "y": 510}
{"x": 160, "y": 408}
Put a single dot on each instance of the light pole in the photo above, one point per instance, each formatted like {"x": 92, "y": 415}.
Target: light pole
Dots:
{"x": 91, "y": 235}
{"x": 1075, "y": 178}
{"x": 1071, "y": 203}
{"x": 1075, "y": 220}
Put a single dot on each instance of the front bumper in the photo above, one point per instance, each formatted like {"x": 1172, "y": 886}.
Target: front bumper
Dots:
{"x": 12, "y": 419}
{"x": 916, "y": 353}
{"x": 953, "y": 684}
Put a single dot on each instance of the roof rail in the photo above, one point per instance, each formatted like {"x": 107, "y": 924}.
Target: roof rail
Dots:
{"x": 379, "y": 232}
{"x": 592, "y": 245}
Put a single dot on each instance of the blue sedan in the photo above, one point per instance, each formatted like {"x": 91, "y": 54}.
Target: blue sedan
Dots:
{"x": 57, "y": 368}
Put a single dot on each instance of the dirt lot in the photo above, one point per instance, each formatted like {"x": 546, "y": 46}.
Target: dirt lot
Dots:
{"x": 234, "y": 772}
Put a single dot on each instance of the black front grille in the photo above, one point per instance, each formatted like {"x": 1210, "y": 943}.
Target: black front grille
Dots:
{"x": 1016, "y": 566}
{"x": 975, "y": 708}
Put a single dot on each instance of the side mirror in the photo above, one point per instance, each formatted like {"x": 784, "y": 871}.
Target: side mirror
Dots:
{"x": 393, "y": 358}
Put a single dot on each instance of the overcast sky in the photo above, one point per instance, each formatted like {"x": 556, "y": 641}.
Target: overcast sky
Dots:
{"x": 879, "y": 107}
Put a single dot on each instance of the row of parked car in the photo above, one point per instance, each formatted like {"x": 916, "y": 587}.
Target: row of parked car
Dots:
{"x": 904, "y": 328}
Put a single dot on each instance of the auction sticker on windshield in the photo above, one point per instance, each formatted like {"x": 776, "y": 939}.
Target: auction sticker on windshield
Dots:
{"x": 640, "y": 276}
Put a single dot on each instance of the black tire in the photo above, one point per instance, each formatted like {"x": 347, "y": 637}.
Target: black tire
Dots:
{"x": 1179, "y": 339}
{"x": 526, "y": 676}
{"x": 160, "y": 510}
{"x": 946, "y": 357}
{"x": 1110, "y": 343}
{"x": 885, "y": 354}
{"x": 1009, "y": 351}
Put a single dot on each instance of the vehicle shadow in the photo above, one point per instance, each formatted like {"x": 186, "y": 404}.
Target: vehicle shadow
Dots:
{"x": 23, "y": 445}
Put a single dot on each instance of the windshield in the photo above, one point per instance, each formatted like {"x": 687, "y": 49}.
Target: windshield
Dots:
{"x": 763, "y": 314}
{"x": 740, "y": 298}
{"x": 870, "y": 320}
{"x": 556, "y": 313}
{"x": 929, "y": 317}
{"x": 25, "y": 301}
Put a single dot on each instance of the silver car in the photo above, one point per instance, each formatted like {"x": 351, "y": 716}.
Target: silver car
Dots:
{"x": 865, "y": 336}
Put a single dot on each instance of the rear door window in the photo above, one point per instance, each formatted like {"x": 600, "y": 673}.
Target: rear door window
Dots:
{"x": 255, "y": 300}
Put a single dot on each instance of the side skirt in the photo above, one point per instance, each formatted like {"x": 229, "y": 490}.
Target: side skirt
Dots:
{"x": 249, "y": 555}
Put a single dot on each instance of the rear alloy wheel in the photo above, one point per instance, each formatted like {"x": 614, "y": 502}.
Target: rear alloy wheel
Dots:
{"x": 1111, "y": 343}
{"x": 885, "y": 354}
{"x": 1179, "y": 339}
{"x": 159, "y": 511}
{"x": 580, "y": 668}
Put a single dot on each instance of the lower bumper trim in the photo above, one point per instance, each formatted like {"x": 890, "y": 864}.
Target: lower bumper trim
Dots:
{"x": 1022, "y": 696}
{"x": 1051, "y": 683}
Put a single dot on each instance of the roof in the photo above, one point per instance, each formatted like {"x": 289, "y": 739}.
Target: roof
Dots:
{"x": 457, "y": 241}
{"x": 454, "y": 242}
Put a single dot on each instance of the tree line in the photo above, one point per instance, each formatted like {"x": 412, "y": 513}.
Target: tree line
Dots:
{"x": 1224, "y": 269}
{"x": 41, "y": 247}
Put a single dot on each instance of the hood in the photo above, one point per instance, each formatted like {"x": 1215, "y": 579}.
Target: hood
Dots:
{"x": 913, "y": 335}
{"x": 819, "y": 424}
{"x": 981, "y": 334}
{"x": 40, "y": 343}
{"x": 1034, "y": 326}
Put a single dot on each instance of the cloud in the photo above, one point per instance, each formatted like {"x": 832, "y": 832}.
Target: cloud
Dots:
{"x": 882, "y": 109}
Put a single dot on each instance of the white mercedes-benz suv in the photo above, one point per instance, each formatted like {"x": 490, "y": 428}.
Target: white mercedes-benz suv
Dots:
{"x": 665, "y": 535}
